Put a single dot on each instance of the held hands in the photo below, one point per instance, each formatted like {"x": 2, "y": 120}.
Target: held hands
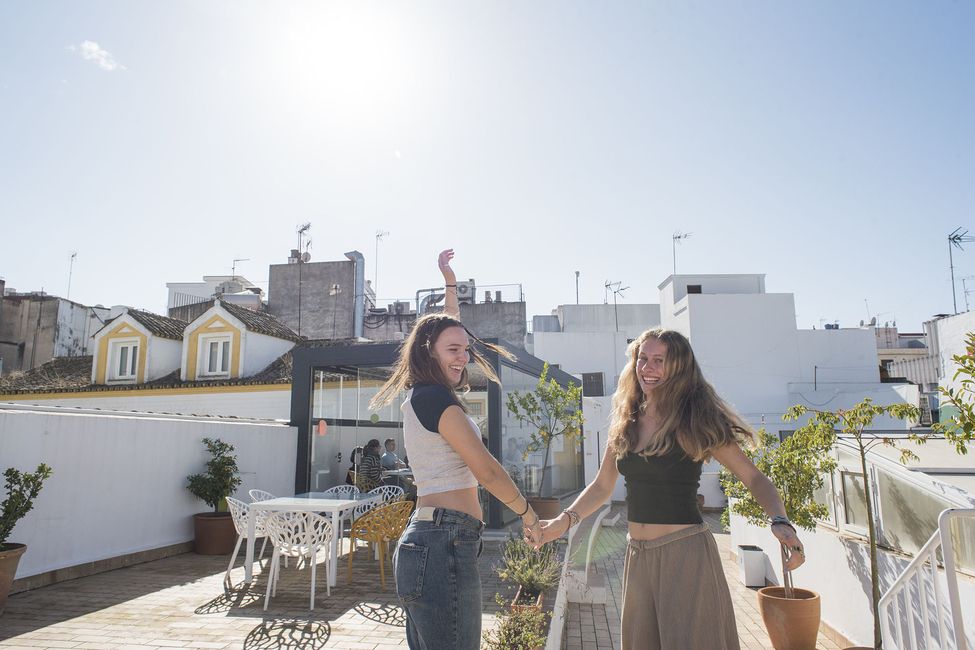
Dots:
{"x": 531, "y": 528}
{"x": 444, "y": 263}
{"x": 788, "y": 538}
{"x": 551, "y": 530}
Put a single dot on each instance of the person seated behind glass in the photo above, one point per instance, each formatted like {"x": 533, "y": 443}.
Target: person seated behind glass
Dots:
{"x": 390, "y": 460}
{"x": 356, "y": 458}
{"x": 370, "y": 470}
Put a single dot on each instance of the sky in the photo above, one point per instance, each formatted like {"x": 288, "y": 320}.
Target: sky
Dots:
{"x": 828, "y": 145}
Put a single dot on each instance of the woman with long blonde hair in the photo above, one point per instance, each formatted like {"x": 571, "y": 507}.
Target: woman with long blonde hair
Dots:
{"x": 437, "y": 579}
{"x": 666, "y": 422}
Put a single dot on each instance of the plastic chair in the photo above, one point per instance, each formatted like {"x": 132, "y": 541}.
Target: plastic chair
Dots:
{"x": 341, "y": 492}
{"x": 389, "y": 493}
{"x": 298, "y": 535}
{"x": 380, "y": 525}
{"x": 240, "y": 512}
{"x": 260, "y": 495}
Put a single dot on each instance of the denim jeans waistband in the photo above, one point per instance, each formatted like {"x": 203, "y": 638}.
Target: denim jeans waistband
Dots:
{"x": 446, "y": 517}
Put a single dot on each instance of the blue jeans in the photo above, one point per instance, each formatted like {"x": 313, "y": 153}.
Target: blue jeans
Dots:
{"x": 437, "y": 581}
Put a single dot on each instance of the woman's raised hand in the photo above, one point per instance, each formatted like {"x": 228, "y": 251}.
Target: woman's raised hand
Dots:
{"x": 444, "y": 263}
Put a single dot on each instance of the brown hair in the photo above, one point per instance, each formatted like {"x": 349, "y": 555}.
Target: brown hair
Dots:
{"x": 692, "y": 415}
{"x": 416, "y": 364}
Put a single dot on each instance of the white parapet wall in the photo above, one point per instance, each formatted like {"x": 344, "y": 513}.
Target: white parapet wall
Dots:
{"x": 838, "y": 569}
{"x": 119, "y": 481}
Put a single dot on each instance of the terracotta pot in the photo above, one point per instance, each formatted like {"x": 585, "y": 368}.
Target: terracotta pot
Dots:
{"x": 517, "y": 605}
{"x": 792, "y": 623}
{"x": 214, "y": 533}
{"x": 9, "y": 559}
{"x": 546, "y": 507}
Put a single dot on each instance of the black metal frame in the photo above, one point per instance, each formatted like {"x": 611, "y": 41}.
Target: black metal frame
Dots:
{"x": 307, "y": 358}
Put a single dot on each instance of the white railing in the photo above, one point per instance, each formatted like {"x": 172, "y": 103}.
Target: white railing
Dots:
{"x": 922, "y": 574}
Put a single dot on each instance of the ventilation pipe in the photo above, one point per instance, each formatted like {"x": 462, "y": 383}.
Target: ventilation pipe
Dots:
{"x": 359, "y": 302}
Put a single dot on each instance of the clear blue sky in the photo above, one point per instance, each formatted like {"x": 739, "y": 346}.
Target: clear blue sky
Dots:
{"x": 830, "y": 145}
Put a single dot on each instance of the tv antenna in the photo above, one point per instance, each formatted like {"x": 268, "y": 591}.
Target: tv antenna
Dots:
{"x": 678, "y": 236}
{"x": 233, "y": 267}
{"x": 380, "y": 235}
{"x": 617, "y": 289}
{"x": 74, "y": 254}
{"x": 957, "y": 237}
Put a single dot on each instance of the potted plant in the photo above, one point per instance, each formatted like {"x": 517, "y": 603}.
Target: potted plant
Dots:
{"x": 853, "y": 424}
{"x": 535, "y": 571}
{"x": 517, "y": 629}
{"x": 553, "y": 411}
{"x": 796, "y": 466}
{"x": 213, "y": 532}
{"x": 22, "y": 488}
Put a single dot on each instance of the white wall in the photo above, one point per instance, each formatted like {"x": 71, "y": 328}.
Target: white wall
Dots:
{"x": 259, "y": 350}
{"x": 837, "y": 396}
{"x": 235, "y": 401}
{"x": 629, "y": 318}
{"x": 838, "y": 569}
{"x": 951, "y": 333}
{"x": 581, "y": 352}
{"x": 119, "y": 481}
{"x": 746, "y": 345}
{"x": 597, "y": 412}
{"x": 163, "y": 357}
{"x": 847, "y": 355}
{"x": 674, "y": 288}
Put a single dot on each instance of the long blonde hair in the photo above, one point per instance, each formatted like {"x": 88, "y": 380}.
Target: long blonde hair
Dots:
{"x": 416, "y": 364}
{"x": 692, "y": 415}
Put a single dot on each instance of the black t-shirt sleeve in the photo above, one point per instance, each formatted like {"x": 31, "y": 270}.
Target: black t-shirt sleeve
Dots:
{"x": 429, "y": 403}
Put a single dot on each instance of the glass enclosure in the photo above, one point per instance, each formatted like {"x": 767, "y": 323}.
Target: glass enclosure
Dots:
{"x": 333, "y": 385}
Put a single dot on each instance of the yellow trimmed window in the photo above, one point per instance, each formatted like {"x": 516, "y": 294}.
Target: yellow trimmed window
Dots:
{"x": 123, "y": 360}
{"x": 215, "y": 356}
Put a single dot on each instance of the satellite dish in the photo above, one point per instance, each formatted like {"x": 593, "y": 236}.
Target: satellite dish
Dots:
{"x": 861, "y": 322}
{"x": 873, "y": 321}
{"x": 306, "y": 256}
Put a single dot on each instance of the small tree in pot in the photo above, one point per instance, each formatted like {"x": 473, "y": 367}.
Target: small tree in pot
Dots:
{"x": 553, "y": 411}
{"x": 535, "y": 571}
{"x": 796, "y": 466}
{"x": 22, "y": 488}
{"x": 214, "y": 532}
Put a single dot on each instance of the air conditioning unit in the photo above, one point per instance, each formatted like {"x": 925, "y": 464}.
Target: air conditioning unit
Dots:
{"x": 466, "y": 291}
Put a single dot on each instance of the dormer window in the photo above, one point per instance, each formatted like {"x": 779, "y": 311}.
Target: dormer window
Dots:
{"x": 123, "y": 360}
{"x": 215, "y": 356}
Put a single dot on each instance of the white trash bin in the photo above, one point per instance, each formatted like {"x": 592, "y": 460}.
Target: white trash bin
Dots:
{"x": 751, "y": 565}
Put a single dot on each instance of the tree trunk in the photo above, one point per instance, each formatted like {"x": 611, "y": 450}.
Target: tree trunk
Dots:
{"x": 541, "y": 483}
{"x": 872, "y": 533}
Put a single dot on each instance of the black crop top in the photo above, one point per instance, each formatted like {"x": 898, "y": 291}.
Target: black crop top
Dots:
{"x": 661, "y": 489}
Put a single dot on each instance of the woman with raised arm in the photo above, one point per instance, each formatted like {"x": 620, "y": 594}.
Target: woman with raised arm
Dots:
{"x": 667, "y": 420}
{"x": 437, "y": 579}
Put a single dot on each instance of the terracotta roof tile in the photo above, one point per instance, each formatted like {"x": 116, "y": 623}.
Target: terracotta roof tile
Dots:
{"x": 260, "y": 322}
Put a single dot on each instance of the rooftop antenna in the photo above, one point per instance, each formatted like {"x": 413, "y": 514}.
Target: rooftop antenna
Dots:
{"x": 965, "y": 290}
{"x": 617, "y": 291}
{"x": 678, "y": 236}
{"x": 74, "y": 254}
{"x": 380, "y": 235}
{"x": 957, "y": 237}
{"x": 302, "y": 229}
{"x": 233, "y": 267}
{"x": 577, "y": 287}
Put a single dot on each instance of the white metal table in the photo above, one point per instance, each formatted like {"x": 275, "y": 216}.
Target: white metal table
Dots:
{"x": 310, "y": 502}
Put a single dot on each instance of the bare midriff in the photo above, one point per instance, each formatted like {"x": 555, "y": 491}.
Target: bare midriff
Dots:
{"x": 647, "y": 532}
{"x": 465, "y": 500}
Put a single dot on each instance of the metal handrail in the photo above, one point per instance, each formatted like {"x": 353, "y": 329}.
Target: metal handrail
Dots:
{"x": 914, "y": 574}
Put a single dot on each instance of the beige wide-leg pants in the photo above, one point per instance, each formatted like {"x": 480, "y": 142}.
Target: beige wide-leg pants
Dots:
{"x": 675, "y": 596}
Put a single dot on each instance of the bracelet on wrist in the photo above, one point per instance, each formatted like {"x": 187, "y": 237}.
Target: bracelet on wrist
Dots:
{"x": 525, "y": 511}
{"x": 781, "y": 519}
{"x": 450, "y": 286}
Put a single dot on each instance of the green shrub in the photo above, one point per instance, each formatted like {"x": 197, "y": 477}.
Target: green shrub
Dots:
{"x": 523, "y": 629}
{"x": 221, "y": 477}
{"x": 535, "y": 571}
{"x": 22, "y": 489}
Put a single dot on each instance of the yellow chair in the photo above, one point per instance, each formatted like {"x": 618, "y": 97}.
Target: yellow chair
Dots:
{"x": 380, "y": 525}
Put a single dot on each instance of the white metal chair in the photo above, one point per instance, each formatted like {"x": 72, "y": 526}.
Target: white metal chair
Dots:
{"x": 240, "y": 512}
{"x": 389, "y": 493}
{"x": 341, "y": 492}
{"x": 298, "y": 535}
{"x": 260, "y": 495}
